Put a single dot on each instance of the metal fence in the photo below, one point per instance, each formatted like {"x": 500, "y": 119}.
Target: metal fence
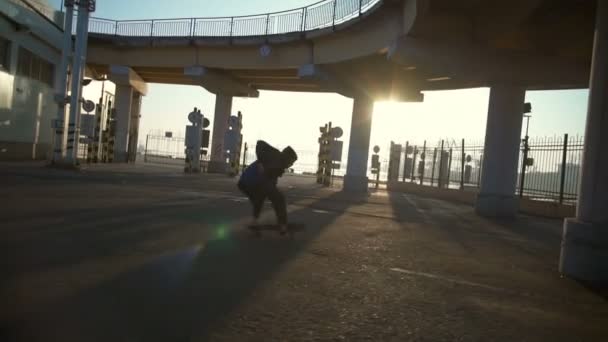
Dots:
{"x": 553, "y": 168}
{"x": 551, "y": 174}
{"x": 323, "y": 14}
{"x": 446, "y": 164}
{"x": 307, "y": 163}
{"x": 160, "y": 149}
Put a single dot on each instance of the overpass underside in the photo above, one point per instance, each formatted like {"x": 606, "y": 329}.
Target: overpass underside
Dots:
{"x": 405, "y": 47}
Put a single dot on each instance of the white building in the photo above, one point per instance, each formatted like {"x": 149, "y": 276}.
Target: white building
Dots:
{"x": 30, "y": 40}
{"x": 30, "y": 52}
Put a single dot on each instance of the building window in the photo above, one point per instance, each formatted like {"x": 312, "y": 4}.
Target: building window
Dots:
{"x": 31, "y": 66}
{"x": 4, "y": 53}
{"x": 24, "y": 62}
{"x": 47, "y": 71}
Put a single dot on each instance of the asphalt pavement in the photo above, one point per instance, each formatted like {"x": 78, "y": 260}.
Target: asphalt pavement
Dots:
{"x": 147, "y": 253}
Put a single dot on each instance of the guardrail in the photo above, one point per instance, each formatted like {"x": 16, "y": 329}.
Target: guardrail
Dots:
{"x": 323, "y": 14}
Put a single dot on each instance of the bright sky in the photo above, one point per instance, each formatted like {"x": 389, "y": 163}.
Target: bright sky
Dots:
{"x": 294, "y": 118}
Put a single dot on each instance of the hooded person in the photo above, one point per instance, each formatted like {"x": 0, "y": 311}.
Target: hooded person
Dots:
{"x": 259, "y": 180}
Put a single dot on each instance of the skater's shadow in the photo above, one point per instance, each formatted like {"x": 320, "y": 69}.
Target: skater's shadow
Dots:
{"x": 227, "y": 271}
{"x": 183, "y": 296}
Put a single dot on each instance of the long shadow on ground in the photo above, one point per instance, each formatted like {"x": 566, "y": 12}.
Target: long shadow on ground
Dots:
{"x": 94, "y": 233}
{"x": 183, "y": 296}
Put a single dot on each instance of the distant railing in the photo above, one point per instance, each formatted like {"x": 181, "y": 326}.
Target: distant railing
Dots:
{"x": 553, "y": 168}
{"x": 323, "y": 14}
{"x": 551, "y": 172}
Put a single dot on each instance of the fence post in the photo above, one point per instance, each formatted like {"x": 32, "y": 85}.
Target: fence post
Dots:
{"x": 231, "y": 25}
{"x": 192, "y": 28}
{"x": 414, "y": 163}
{"x": 449, "y": 169}
{"x": 333, "y": 22}
{"x": 562, "y": 181}
{"x": 360, "y": 6}
{"x": 423, "y": 160}
{"x": 524, "y": 165}
{"x": 146, "y": 149}
{"x": 479, "y": 170}
{"x": 244, "y": 158}
{"x": 152, "y": 28}
{"x": 441, "y": 161}
{"x": 267, "y": 22}
{"x": 378, "y": 175}
{"x": 304, "y": 11}
{"x": 433, "y": 167}
{"x": 405, "y": 160}
{"x": 462, "y": 161}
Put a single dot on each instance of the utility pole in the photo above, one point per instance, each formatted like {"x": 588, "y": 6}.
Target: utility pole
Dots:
{"x": 85, "y": 7}
{"x": 60, "y": 124}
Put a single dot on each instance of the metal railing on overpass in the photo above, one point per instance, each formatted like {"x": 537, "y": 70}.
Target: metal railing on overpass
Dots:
{"x": 320, "y": 15}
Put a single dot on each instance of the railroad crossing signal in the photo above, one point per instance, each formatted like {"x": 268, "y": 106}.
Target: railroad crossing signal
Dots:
{"x": 330, "y": 153}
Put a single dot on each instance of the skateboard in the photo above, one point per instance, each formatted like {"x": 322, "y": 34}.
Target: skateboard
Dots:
{"x": 292, "y": 228}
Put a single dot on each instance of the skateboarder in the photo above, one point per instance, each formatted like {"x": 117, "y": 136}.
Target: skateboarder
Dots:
{"x": 259, "y": 180}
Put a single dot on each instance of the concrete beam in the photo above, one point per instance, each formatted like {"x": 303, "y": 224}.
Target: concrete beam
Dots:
{"x": 392, "y": 87}
{"x": 124, "y": 75}
{"x": 218, "y": 82}
{"x": 326, "y": 80}
{"x": 447, "y": 61}
{"x": 501, "y": 18}
{"x": 400, "y": 88}
{"x": 413, "y": 12}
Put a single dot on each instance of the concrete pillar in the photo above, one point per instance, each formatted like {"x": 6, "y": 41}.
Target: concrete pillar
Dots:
{"x": 584, "y": 253}
{"x": 223, "y": 107}
{"x": 123, "y": 104}
{"x": 134, "y": 126}
{"x": 501, "y": 152}
{"x": 355, "y": 179}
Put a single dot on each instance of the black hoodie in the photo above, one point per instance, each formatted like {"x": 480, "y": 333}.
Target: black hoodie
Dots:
{"x": 271, "y": 159}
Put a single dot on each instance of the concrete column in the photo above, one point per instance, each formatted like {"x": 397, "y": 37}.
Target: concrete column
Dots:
{"x": 223, "y": 107}
{"x": 501, "y": 153}
{"x": 134, "y": 126}
{"x": 123, "y": 104}
{"x": 584, "y": 253}
{"x": 355, "y": 179}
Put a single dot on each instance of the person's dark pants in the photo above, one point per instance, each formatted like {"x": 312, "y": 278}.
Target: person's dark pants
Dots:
{"x": 257, "y": 195}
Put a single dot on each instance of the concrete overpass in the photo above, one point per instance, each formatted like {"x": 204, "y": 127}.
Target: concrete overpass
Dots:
{"x": 393, "y": 49}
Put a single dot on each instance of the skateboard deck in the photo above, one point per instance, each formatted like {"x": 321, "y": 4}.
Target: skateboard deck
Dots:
{"x": 291, "y": 228}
